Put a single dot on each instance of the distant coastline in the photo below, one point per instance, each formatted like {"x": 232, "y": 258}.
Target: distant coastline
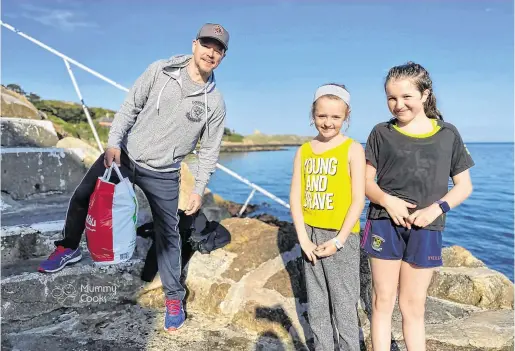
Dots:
{"x": 233, "y": 147}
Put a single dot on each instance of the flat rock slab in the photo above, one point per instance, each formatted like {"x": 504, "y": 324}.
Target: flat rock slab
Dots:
{"x": 482, "y": 330}
{"x": 129, "y": 327}
{"x": 454, "y": 327}
{"x": 82, "y": 284}
{"x": 23, "y": 132}
{"x": 31, "y": 171}
{"x": 486, "y": 330}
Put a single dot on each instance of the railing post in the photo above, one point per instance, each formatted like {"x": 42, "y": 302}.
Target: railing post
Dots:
{"x": 86, "y": 111}
{"x": 246, "y": 202}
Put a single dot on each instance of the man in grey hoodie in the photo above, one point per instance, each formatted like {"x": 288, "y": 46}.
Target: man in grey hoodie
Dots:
{"x": 172, "y": 105}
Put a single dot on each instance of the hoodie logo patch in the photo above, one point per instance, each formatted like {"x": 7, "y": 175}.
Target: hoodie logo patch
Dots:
{"x": 197, "y": 111}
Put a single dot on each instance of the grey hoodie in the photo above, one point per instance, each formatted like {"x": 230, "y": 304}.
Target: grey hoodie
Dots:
{"x": 157, "y": 125}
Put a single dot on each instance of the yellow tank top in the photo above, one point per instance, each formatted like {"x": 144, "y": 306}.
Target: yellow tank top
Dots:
{"x": 326, "y": 186}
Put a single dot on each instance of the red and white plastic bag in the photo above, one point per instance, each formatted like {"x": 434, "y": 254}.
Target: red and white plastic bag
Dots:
{"x": 111, "y": 220}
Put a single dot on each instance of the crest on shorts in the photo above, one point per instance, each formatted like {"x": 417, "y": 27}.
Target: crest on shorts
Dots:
{"x": 197, "y": 111}
{"x": 218, "y": 30}
{"x": 377, "y": 241}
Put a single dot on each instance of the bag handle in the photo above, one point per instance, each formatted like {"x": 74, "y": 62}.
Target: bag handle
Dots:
{"x": 108, "y": 171}
{"x": 107, "y": 174}
{"x": 117, "y": 170}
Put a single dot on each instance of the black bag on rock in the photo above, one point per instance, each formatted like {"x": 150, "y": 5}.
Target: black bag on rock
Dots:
{"x": 204, "y": 236}
{"x": 197, "y": 234}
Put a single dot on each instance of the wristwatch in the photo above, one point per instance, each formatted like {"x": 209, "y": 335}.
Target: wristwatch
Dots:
{"x": 443, "y": 205}
{"x": 338, "y": 244}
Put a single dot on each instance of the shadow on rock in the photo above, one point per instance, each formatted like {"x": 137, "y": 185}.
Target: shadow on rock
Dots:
{"x": 271, "y": 339}
{"x": 293, "y": 272}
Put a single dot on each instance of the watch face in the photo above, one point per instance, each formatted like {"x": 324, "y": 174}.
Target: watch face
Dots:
{"x": 444, "y": 206}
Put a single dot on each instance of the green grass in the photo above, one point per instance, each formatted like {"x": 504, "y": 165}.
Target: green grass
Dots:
{"x": 80, "y": 130}
{"x": 235, "y": 138}
{"x": 70, "y": 112}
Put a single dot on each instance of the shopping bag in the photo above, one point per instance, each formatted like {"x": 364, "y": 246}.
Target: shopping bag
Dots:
{"x": 111, "y": 219}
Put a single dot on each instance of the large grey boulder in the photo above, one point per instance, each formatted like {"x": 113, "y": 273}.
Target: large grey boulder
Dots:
{"x": 16, "y": 105}
{"x": 91, "y": 153}
{"x": 25, "y": 132}
{"x": 481, "y": 286}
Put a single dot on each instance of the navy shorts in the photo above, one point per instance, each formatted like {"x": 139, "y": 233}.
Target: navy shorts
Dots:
{"x": 384, "y": 239}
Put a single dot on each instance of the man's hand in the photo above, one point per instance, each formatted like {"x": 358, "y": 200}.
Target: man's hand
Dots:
{"x": 110, "y": 155}
{"x": 194, "y": 204}
{"x": 326, "y": 249}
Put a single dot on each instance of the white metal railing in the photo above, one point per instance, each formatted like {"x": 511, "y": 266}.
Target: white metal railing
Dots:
{"x": 67, "y": 61}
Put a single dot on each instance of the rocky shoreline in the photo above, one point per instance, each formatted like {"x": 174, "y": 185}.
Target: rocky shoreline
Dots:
{"x": 249, "y": 295}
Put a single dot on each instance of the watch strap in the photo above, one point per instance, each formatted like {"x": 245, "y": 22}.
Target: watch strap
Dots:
{"x": 338, "y": 244}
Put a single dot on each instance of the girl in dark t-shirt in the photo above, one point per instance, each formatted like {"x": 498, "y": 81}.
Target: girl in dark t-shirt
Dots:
{"x": 412, "y": 156}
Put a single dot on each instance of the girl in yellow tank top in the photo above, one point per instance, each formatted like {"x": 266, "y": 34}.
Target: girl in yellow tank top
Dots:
{"x": 327, "y": 197}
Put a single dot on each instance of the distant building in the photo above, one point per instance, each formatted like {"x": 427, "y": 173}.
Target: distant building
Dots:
{"x": 106, "y": 121}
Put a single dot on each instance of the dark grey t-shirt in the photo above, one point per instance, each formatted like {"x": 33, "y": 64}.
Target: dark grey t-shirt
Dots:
{"x": 416, "y": 170}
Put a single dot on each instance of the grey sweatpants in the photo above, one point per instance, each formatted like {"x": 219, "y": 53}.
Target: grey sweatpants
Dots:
{"x": 332, "y": 286}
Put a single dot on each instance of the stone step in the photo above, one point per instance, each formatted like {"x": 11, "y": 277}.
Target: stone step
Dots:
{"x": 27, "y": 293}
{"x": 129, "y": 328}
{"x": 47, "y": 208}
{"x": 28, "y": 241}
{"x": 31, "y": 171}
{"x": 23, "y": 242}
{"x": 29, "y": 227}
{"x": 24, "y": 132}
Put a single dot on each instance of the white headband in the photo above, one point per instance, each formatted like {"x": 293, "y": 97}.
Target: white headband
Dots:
{"x": 335, "y": 90}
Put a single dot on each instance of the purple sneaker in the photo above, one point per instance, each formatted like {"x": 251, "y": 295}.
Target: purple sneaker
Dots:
{"x": 60, "y": 258}
{"x": 174, "y": 315}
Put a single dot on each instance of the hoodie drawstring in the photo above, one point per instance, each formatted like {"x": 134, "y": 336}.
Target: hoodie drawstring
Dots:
{"x": 205, "y": 102}
{"x": 160, "y": 92}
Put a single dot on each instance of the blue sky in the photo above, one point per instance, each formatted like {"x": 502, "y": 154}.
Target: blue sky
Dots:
{"x": 280, "y": 51}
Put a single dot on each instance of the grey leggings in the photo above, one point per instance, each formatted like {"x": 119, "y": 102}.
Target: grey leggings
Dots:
{"x": 332, "y": 286}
